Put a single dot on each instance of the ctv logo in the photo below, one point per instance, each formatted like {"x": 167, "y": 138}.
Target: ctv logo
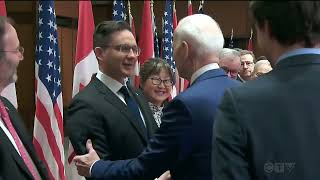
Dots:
{"x": 279, "y": 167}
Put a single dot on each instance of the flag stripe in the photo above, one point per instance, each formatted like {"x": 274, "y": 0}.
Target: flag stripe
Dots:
{"x": 41, "y": 156}
{"x": 42, "y": 114}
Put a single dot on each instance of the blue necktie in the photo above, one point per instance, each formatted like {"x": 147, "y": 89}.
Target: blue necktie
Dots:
{"x": 133, "y": 107}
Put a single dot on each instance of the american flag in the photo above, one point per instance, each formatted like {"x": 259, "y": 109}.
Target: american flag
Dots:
{"x": 48, "y": 124}
{"x": 168, "y": 35}
{"x": 119, "y": 11}
{"x": 167, "y": 51}
{"x": 155, "y": 34}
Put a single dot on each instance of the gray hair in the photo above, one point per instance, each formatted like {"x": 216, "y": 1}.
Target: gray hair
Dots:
{"x": 203, "y": 31}
{"x": 228, "y": 53}
{"x": 261, "y": 62}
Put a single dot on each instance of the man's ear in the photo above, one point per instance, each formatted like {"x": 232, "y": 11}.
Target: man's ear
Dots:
{"x": 99, "y": 53}
{"x": 185, "y": 51}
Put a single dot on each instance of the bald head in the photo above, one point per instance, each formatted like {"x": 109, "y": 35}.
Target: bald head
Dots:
{"x": 198, "y": 40}
{"x": 203, "y": 31}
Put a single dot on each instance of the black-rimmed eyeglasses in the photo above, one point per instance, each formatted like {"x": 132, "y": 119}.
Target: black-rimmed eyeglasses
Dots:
{"x": 158, "y": 81}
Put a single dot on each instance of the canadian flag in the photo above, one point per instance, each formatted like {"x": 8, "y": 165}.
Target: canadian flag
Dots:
{"x": 85, "y": 65}
{"x": 8, "y": 92}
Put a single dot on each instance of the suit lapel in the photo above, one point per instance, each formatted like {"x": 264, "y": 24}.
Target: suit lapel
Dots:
{"x": 115, "y": 101}
{"x": 11, "y": 149}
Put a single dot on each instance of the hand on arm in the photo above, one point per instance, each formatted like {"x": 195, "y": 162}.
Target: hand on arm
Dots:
{"x": 85, "y": 162}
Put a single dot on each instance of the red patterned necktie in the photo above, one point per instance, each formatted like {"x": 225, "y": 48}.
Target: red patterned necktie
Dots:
{"x": 6, "y": 119}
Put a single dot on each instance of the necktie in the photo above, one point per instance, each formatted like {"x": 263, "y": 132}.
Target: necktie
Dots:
{"x": 6, "y": 119}
{"x": 133, "y": 106}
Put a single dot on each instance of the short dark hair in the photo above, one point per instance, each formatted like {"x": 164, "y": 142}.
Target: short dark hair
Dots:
{"x": 289, "y": 21}
{"x": 105, "y": 29}
{"x": 153, "y": 66}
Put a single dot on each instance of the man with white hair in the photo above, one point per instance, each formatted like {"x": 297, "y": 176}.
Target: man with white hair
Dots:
{"x": 229, "y": 61}
{"x": 183, "y": 142}
{"x": 261, "y": 67}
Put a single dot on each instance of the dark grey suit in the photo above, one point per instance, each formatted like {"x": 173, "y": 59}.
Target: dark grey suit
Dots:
{"x": 269, "y": 129}
{"x": 97, "y": 113}
{"x": 11, "y": 163}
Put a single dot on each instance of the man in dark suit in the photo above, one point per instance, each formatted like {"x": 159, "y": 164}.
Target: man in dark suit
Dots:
{"x": 269, "y": 128}
{"x": 101, "y": 111}
{"x": 183, "y": 142}
{"x": 18, "y": 159}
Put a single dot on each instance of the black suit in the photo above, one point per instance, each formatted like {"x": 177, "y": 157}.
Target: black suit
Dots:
{"x": 97, "y": 113}
{"x": 11, "y": 163}
{"x": 269, "y": 128}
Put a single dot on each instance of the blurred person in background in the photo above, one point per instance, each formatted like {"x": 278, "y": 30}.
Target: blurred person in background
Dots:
{"x": 229, "y": 61}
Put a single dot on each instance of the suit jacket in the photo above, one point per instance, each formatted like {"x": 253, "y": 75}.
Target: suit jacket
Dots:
{"x": 183, "y": 142}
{"x": 96, "y": 113}
{"x": 269, "y": 128}
{"x": 11, "y": 163}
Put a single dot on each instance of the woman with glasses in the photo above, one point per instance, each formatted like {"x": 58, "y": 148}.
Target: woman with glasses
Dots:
{"x": 156, "y": 78}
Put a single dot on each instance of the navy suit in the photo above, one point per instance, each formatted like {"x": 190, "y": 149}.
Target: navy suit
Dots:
{"x": 183, "y": 142}
{"x": 269, "y": 129}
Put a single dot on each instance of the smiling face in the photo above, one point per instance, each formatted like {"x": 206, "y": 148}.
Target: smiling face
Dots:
{"x": 114, "y": 62}
{"x": 157, "y": 94}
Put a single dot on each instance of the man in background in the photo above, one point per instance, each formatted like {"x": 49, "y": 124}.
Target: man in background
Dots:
{"x": 269, "y": 128}
{"x": 17, "y": 154}
{"x": 229, "y": 61}
{"x": 247, "y": 65}
{"x": 261, "y": 67}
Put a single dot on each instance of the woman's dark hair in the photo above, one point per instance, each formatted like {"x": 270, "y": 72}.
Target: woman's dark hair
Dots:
{"x": 153, "y": 66}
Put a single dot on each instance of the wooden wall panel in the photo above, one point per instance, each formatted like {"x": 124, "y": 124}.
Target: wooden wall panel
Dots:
{"x": 67, "y": 57}
{"x": 26, "y": 79}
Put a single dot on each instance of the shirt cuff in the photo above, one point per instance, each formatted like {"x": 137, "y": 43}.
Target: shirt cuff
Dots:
{"x": 91, "y": 168}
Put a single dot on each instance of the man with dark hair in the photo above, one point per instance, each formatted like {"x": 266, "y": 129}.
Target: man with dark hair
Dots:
{"x": 183, "y": 142}
{"x": 108, "y": 111}
{"x": 17, "y": 154}
{"x": 269, "y": 128}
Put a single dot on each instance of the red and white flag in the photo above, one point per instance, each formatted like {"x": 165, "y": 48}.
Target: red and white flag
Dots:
{"x": 48, "y": 138}
{"x": 85, "y": 65}
{"x": 189, "y": 8}
{"x": 146, "y": 35}
{"x": 8, "y": 92}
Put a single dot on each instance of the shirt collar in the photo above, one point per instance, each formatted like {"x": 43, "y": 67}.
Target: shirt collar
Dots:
{"x": 299, "y": 51}
{"x": 111, "y": 83}
{"x": 202, "y": 70}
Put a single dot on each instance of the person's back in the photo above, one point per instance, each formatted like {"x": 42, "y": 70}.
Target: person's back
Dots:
{"x": 269, "y": 128}
{"x": 200, "y": 99}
